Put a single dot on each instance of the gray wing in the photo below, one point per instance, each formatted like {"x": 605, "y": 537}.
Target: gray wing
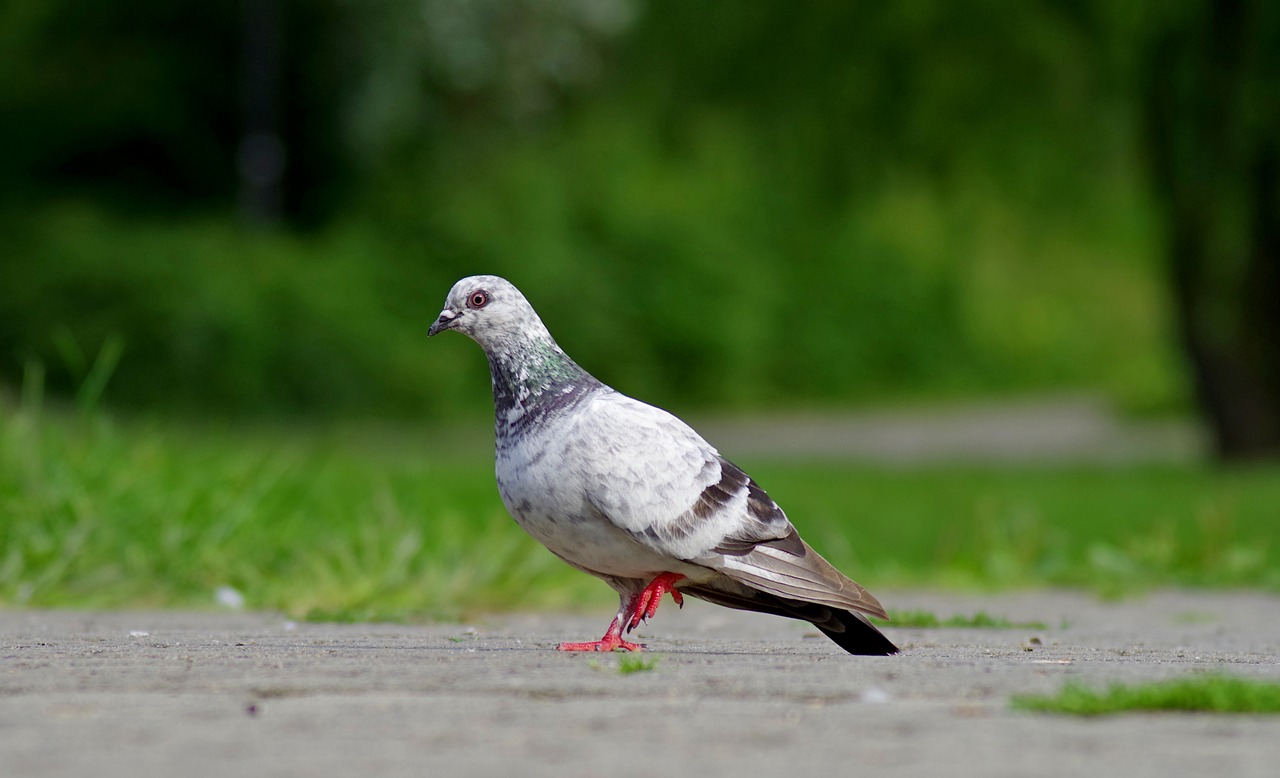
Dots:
{"x": 655, "y": 478}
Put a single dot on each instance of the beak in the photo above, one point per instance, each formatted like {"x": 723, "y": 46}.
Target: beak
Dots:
{"x": 444, "y": 322}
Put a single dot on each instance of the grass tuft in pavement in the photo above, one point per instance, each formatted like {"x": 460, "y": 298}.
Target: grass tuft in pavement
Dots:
{"x": 1208, "y": 694}
{"x": 636, "y": 663}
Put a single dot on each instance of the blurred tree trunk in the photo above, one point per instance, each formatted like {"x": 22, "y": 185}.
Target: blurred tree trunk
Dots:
{"x": 261, "y": 155}
{"x": 1213, "y": 129}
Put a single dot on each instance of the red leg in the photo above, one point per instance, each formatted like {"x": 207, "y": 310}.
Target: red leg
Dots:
{"x": 646, "y": 603}
{"x": 612, "y": 641}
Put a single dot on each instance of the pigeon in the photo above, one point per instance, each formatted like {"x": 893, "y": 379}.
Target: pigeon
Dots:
{"x": 629, "y": 493}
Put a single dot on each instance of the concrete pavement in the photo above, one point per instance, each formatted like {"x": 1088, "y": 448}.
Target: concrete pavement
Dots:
{"x": 196, "y": 694}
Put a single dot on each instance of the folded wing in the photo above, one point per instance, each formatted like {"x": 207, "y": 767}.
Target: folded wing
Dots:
{"x": 673, "y": 492}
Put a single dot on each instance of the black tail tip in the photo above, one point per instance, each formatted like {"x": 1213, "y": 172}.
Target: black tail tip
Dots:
{"x": 861, "y": 639}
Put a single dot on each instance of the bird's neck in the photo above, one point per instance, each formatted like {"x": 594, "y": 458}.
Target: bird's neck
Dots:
{"x": 534, "y": 380}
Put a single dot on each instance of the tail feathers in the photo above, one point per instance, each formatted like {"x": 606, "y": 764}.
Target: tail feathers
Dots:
{"x": 850, "y": 630}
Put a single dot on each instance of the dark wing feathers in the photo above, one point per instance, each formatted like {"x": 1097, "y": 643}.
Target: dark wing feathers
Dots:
{"x": 790, "y": 543}
{"x": 732, "y": 481}
{"x": 762, "y": 521}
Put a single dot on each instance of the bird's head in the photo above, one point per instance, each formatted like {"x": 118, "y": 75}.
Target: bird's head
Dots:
{"x": 490, "y": 311}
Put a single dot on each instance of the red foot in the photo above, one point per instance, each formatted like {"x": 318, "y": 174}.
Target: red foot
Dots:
{"x": 646, "y": 603}
{"x": 612, "y": 641}
{"x": 641, "y": 607}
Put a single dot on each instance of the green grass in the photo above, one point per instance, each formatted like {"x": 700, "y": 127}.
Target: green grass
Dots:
{"x": 636, "y": 663}
{"x": 1209, "y": 693}
{"x": 930, "y": 620}
{"x": 1115, "y": 530}
{"x": 406, "y": 524}
{"x": 97, "y": 514}
{"x": 628, "y": 662}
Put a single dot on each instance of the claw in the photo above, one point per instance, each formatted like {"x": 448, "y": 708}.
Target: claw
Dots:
{"x": 646, "y": 603}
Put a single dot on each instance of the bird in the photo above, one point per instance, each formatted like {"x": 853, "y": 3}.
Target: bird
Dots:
{"x": 629, "y": 493}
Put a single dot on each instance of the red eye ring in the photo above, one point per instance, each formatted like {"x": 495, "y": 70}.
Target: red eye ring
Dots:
{"x": 478, "y": 299}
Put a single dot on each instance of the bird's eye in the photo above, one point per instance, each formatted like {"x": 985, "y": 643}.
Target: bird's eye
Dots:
{"x": 478, "y": 299}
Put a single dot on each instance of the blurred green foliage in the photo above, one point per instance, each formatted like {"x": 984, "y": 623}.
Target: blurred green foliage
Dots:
{"x": 710, "y": 203}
